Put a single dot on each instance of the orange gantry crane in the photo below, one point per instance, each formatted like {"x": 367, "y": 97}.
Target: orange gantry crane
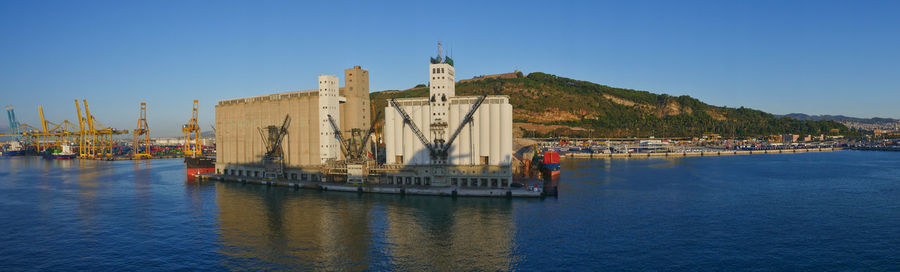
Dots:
{"x": 142, "y": 135}
{"x": 191, "y": 131}
{"x": 96, "y": 141}
{"x": 52, "y": 135}
{"x": 93, "y": 139}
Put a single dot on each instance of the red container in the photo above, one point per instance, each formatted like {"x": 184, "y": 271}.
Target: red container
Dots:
{"x": 551, "y": 157}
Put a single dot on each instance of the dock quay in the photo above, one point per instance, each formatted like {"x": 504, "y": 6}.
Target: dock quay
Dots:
{"x": 451, "y": 191}
{"x": 695, "y": 154}
{"x": 876, "y": 148}
{"x": 132, "y": 158}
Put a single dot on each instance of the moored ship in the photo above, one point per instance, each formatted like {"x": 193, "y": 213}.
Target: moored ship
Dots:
{"x": 550, "y": 165}
{"x": 13, "y": 149}
{"x": 196, "y": 165}
{"x": 62, "y": 153}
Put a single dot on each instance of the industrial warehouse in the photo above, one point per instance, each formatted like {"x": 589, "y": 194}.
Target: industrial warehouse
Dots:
{"x": 447, "y": 140}
{"x": 306, "y": 118}
{"x": 442, "y": 144}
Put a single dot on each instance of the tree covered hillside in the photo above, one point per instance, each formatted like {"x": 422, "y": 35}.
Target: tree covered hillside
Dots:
{"x": 546, "y": 105}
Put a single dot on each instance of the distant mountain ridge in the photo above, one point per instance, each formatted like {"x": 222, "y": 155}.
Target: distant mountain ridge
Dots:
{"x": 550, "y": 105}
{"x": 839, "y": 118}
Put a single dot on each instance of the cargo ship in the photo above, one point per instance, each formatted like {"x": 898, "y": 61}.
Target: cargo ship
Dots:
{"x": 550, "y": 166}
{"x": 14, "y": 149}
{"x": 196, "y": 165}
{"x": 547, "y": 164}
{"x": 62, "y": 153}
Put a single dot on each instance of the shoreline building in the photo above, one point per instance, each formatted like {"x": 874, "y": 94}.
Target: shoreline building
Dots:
{"x": 475, "y": 132}
{"x": 309, "y": 141}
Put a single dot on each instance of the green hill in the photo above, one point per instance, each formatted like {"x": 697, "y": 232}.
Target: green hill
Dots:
{"x": 549, "y": 105}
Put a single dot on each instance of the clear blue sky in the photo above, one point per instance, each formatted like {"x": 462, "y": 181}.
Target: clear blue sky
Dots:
{"x": 816, "y": 57}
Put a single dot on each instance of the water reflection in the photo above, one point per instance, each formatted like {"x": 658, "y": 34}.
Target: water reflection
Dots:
{"x": 89, "y": 182}
{"x": 609, "y": 170}
{"x": 197, "y": 193}
{"x": 440, "y": 233}
{"x": 271, "y": 228}
{"x": 143, "y": 182}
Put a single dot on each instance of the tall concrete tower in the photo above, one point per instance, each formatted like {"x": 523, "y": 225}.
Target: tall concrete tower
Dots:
{"x": 356, "y": 111}
{"x": 442, "y": 87}
{"x": 329, "y": 147}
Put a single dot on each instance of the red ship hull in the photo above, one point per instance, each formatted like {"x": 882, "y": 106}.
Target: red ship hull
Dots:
{"x": 193, "y": 171}
{"x": 197, "y": 165}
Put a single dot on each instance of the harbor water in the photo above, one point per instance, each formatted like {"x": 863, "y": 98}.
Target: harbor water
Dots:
{"x": 811, "y": 211}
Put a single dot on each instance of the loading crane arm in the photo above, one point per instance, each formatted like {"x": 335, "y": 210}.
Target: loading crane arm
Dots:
{"x": 265, "y": 140}
{"x": 466, "y": 120}
{"x": 80, "y": 119}
{"x": 365, "y": 140}
{"x": 414, "y": 128}
{"x": 345, "y": 147}
{"x": 43, "y": 122}
{"x": 281, "y": 132}
{"x": 274, "y": 145}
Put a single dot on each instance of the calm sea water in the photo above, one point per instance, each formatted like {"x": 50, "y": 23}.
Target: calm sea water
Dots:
{"x": 817, "y": 211}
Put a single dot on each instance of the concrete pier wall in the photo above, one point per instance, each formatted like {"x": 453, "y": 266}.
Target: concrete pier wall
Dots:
{"x": 378, "y": 188}
{"x": 694, "y": 154}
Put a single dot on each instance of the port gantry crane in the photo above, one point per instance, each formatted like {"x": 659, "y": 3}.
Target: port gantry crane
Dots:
{"x": 273, "y": 160}
{"x": 13, "y": 123}
{"x": 15, "y": 129}
{"x": 191, "y": 131}
{"x": 93, "y": 139}
{"x": 25, "y": 134}
{"x": 439, "y": 148}
{"x": 142, "y": 135}
{"x": 53, "y": 135}
{"x": 97, "y": 140}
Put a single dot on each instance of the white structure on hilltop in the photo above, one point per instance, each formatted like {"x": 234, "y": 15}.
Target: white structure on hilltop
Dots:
{"x": 485, "y": 141}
